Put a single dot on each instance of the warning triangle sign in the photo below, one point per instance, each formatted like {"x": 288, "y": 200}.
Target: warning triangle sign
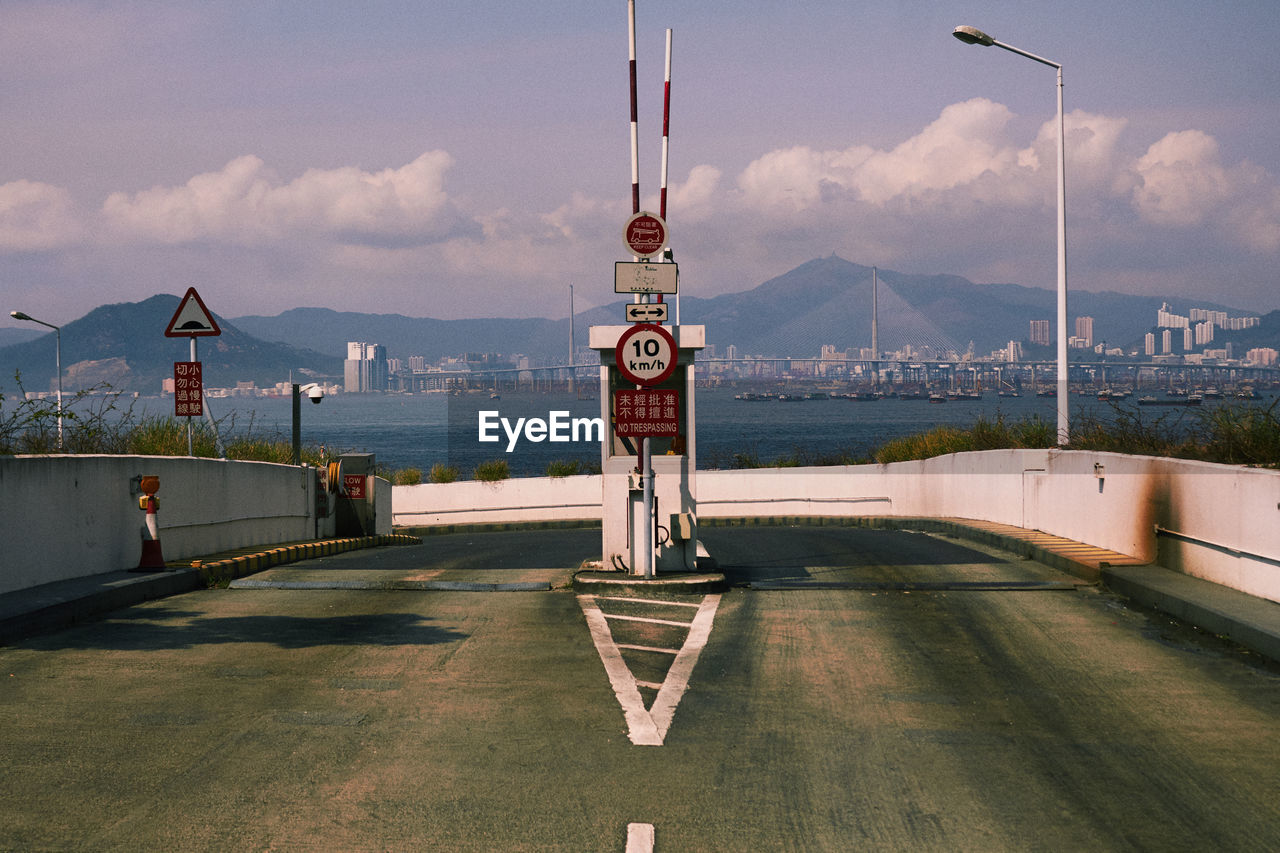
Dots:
{"x": 192, "y": 319}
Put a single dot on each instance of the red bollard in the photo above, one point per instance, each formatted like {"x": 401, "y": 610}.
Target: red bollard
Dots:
{"x": 151, "y": 556}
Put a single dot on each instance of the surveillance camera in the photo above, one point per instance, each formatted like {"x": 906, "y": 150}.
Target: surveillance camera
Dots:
{"x": 316, "y": 394}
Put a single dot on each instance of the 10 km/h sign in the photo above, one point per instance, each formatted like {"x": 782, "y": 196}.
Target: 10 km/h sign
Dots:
{"x": 646, "y": 354}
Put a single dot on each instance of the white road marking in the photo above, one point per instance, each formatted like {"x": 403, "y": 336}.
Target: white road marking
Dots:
{"x": 649, "y": 728}
{"x": 640, "y": 838}
{"x": 652, "y": 685}
{"x": 635, "y": 648}
{"x": 650, "y": 621}
{"x": 648, "y": 601}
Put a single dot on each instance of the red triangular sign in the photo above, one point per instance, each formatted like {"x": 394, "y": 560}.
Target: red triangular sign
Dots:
{"x": 192, "y": 319}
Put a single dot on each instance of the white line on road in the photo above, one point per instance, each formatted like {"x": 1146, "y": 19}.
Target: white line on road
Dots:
{"x": 635, "y": 648}
{"x": 650, "y": 621}
{"x": 649, "y": 727}
{"x": 640, "y": 838}
{"x": 648, "y": 601}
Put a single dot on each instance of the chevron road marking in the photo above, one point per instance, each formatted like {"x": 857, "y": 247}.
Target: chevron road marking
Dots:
{"x": 649, "y": 727}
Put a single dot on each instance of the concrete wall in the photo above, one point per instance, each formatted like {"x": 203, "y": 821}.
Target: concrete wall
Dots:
{"x": 522, "y": 499}
{"x": 72, "y": 516}
{"x": 1218, "y": 522}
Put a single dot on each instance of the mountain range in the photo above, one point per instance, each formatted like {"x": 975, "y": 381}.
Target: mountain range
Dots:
{"x": 824, "y": 301}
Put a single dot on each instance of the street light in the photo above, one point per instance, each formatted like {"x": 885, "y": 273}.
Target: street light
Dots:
{"x": 973, "y": 35}
{"x": 18, "y": 315}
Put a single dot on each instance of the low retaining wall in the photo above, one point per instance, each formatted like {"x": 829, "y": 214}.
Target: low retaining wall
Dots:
{"x": 72, "y": 516}
{"x": 1217, "y": 522}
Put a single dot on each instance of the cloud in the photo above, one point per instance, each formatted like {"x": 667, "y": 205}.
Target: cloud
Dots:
{"x": 1182, "y": 182}
{"x": 248, "y": 203}
{"x": 37, "y": 217}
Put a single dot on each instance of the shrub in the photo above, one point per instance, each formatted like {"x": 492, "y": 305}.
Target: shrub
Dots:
{"x": 407, "y": 477}
{"x": 565, "y": 467}
{"x": 492, "y": 471}
{"x": 441, "y": 473}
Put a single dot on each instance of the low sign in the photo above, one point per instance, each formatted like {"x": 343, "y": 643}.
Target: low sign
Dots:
{"x": 640, "y": 312}
{"x": 353, "y": 485}
{"x": 646, "y": 412}
{"x": 644, "y": 277}
{"x": 188, "y": 389}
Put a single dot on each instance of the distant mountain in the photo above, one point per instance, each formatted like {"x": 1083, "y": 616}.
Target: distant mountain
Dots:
{"x": 329, "y": 331}
{"x": 824, "y": 301}
{"x": 828, "y": 301}
{"x": 8, "y": 337}
{"x": 124, "y": 345}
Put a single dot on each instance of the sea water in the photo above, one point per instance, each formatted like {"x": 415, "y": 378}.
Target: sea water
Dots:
{"x": 421, "y": 430}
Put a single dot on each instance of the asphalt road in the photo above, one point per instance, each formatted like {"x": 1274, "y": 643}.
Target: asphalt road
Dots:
{"x": 844, "y": 711}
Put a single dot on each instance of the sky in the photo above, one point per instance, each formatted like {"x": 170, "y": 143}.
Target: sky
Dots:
{"x": 471, "y": 159}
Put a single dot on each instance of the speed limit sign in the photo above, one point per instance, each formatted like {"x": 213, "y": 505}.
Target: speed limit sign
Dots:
{"x": 646, "y": 354}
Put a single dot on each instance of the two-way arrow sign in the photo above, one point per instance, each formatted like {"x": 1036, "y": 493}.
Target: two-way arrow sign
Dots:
{"x": 654, "y": 312}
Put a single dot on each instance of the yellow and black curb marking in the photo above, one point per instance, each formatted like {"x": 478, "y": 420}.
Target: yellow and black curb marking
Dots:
{"x": 227, "y": 566}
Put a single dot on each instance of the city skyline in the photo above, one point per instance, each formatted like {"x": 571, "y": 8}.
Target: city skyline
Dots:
{"x": 475, "y": 161}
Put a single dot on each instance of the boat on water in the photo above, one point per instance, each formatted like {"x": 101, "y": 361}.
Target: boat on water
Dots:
{"x": 937, "y": 398}
{"x": 1189, "y": 400}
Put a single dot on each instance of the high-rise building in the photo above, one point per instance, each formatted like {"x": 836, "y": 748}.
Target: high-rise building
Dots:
{"x": 1149, "y": 343}
{"x": 1166, "y": 319}
{"x": 1204, "y": 333}
{"x": 365, "y": 368}
{"x": 1040, "y": 332}
{"x": 1084, "y": 330}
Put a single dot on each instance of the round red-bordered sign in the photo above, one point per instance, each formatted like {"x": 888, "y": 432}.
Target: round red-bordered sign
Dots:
{"x": 645, "y": 234}
{"x": 646, "y": 354}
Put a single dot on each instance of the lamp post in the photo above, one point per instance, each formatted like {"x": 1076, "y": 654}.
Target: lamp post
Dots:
{"x": 973, "y": 35}
{"x": 18, "y": 315}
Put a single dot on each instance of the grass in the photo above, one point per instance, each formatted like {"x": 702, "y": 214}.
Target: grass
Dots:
{"x": 441, "y": 473}
{"x": 571, "y": 467}
{"x": 94, "y": 421}
{"x": 492, "y": 471}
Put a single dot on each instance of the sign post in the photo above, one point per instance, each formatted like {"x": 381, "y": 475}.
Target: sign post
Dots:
{"x": 646, "y": 355}
{"x": 192, "y": 320}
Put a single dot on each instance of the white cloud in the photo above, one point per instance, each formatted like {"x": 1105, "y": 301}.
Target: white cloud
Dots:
{"x": 1181, "y": 182}
{"x": 1181, "y": 179}
{"x": 36, "y": 217}
{"x": 247, "y": 203}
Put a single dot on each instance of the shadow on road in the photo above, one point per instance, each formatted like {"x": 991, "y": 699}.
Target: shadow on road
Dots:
{"x": 143, "y": 629}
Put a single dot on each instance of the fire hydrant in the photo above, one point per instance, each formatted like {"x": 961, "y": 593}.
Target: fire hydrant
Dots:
{"x": 151, "y": 556}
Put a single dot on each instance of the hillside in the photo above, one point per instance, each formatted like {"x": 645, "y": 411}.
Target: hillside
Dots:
{"x": 124, "y": 345}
